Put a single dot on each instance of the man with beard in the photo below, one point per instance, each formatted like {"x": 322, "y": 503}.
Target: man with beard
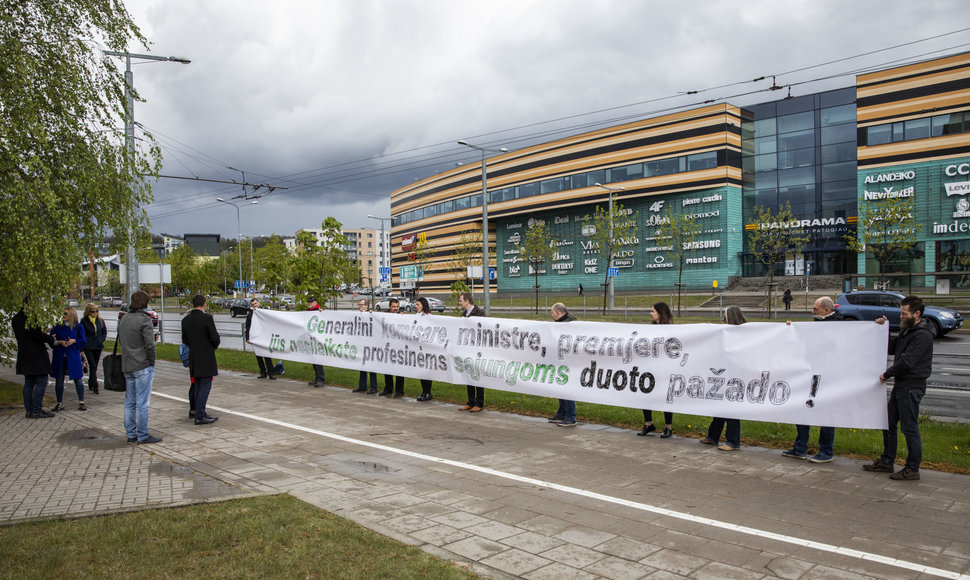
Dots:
{"x": 912, "y": 352}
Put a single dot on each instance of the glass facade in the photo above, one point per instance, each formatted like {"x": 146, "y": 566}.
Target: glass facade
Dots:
{"x": 805, "y": 156}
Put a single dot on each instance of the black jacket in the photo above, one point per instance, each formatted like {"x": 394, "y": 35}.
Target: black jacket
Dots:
{"x": 249, "y": 322}
{"x": 200, "y": 335}
{"x": 912, "y": 351}
{"x": 476, "y": 311}
{"x": 95, "y": 336}
{"x": 834, "y": 317}
{"x": 32, "y": 343}
{"x": 567, "y": 317}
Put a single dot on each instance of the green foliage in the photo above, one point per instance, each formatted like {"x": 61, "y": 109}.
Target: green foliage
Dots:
{"x": 66, "y": 174}
{"x": 775, "y": 237}
{"x": 319, "y": 269}
{"x": 886, "y": 229}
{"x": 536, "y": 249}
{"x": 613, "y": 230}
{"x": 273, "y": 263}
{"x": 466, "y": 252}
{"x": 185, "y": 271}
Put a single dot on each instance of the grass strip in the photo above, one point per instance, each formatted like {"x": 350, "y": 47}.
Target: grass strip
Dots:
{"x": 263, "y": 537}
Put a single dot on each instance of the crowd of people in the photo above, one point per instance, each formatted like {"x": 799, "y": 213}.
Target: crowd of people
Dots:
{"x": 58, "y": 352}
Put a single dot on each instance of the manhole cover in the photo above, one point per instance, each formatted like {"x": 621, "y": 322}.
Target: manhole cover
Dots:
{"x": 92, "y": 439}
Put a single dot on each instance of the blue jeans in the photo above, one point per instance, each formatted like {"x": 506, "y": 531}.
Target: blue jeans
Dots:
{"x": 903, "y": 408}
{"x": 826, "y": 440}
{"x": 202, "y": 387}
{"x": 138, "y": 390}
{"x": 59, "y": 389}
{"x": 567, "y": 410}
{"x": 34, "y": 388}
{"x": 733, "y": 434}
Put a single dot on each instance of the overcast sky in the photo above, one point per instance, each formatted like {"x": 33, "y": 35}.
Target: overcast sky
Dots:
{"x": 343, "y": 101}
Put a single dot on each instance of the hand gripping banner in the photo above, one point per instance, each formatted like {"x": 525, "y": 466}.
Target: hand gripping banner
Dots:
{"x": 805, "y": 373}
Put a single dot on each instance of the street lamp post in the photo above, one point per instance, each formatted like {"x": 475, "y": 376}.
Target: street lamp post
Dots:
{"x": 609, "y": 265}
{"x": 383, "y": 246}
{"x": 485, "y": 269}
{"x": 238, "y": 234}
{"x": 131, "y": 283}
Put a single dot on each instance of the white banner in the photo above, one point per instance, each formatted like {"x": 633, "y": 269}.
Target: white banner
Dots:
{"x": 806, "y": 373}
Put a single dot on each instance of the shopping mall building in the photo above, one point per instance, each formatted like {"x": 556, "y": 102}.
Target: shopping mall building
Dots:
{"x": 898, "y": 133}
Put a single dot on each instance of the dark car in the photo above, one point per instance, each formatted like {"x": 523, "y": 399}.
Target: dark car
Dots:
{"x": 239, "y": 307}
{"x": 873, "y": 304}
{"x": 151, "y": 313}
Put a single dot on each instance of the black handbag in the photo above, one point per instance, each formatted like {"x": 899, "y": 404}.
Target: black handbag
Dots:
{"x": 114, "y": 379}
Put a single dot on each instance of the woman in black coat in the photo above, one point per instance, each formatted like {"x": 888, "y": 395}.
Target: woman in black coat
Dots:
{"x": 96, "y": 333}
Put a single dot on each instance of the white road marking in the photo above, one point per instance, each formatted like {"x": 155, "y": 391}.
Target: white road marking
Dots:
{"x": 868, "y": 556}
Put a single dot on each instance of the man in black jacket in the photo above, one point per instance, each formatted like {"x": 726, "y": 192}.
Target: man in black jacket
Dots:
{"x": 912, "y": 352}
{"x": 265, "y": 363}
{"x": 476, "y": 395}
{"x": 200, "y": 335}
{"x": 566, "y": 413}
{"x": 34, "y": 363}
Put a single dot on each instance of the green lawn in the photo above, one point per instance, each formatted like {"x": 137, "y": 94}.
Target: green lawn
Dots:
{"x": 264, "y": 537}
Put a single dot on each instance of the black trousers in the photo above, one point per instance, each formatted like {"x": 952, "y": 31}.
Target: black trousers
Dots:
{"x": 393, "y": 384}
{"x": 265, "y": 365}
{"x": 425, "y": 386}
{"x": 648, "y": 417}
{"x": 93, "y": 357}
{"x": 319, "y": 374}
{"x": 476, "y": 396}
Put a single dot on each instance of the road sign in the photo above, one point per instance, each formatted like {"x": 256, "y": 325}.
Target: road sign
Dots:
{"x": 491, "y": 273}
{"x": 613, "y": 272}
{"x": 384, "y": 270}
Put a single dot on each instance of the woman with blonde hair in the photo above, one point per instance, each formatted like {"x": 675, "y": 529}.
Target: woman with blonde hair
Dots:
{"x": 69, "y": 340}
{"x": 96, "y": 333}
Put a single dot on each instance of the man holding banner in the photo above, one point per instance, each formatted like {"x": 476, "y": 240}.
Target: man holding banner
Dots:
{"x": 393, "y": 385}
{"x": 566, "y": 413}
{"x": 912, "y": 352}
{"x": 476, "y": 395}
{"x": 823, "y": 310}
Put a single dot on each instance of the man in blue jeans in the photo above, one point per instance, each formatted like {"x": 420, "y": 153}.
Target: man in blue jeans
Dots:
{"x": 566, "y": 413}
{"x": 136, "y": 336}
{"x": 823, "y": 311}
{"x": 912, "y": 352}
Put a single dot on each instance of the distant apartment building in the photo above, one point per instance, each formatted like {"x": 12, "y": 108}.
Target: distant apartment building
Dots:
{"x": 364, "y": 246}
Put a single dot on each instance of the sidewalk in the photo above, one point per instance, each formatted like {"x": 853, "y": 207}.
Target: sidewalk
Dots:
{"x": 510, "y": 496}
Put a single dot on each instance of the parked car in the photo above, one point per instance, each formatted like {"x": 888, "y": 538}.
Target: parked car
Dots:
{"x": 873, "y": 304}
{"x": 72, "y": 302}
{"x": 239, "y": 307}
{"x": 436, "y": 305}
{"x": 384, "y": 304}
{"x": 151, "y": 314}
{"x": 109, "y": 301}
{"x": 287, "y": 302}
{"x": 381, "y": 291}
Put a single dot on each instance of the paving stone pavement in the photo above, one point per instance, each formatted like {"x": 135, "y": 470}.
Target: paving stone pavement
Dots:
{"x": 506, "y": 495}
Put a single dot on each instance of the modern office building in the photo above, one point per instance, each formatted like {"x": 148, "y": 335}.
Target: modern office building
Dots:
{"x": 898, "y": 132}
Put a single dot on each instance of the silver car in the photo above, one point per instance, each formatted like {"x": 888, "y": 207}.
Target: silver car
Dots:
{"x": 384, "y": 305}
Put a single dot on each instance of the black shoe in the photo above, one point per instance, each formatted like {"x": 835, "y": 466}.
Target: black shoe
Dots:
{"x": 272, "y": 377}
{"x": 879, "y": 465}
{"x": 191, "y": 414}
{"x": 425, "y": 397}
{"x": 150, "y": 439}
{"x": 262, "y": 376}
{"x": 359, "y": 390}
{"x": 205, "y": 420}
{"x": 667, "y": 433}
{"x": 42, "y": 415}
{"x": 81, "y": 406}
{"x": 57, "y": 407}
{"x": 555, "y": 419}
{"x": 312, "y": 383}
{"x": 647, "y": 429}
{"x": 97, "y": 391}
{"x": 384, "y": 394}
{"x": 398, "y": 395}
{"x": 133, "y": 440}
{"x": 319, "y": 384}
{"x": 905, "y": 474}
{"x": 371, "y": 391}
